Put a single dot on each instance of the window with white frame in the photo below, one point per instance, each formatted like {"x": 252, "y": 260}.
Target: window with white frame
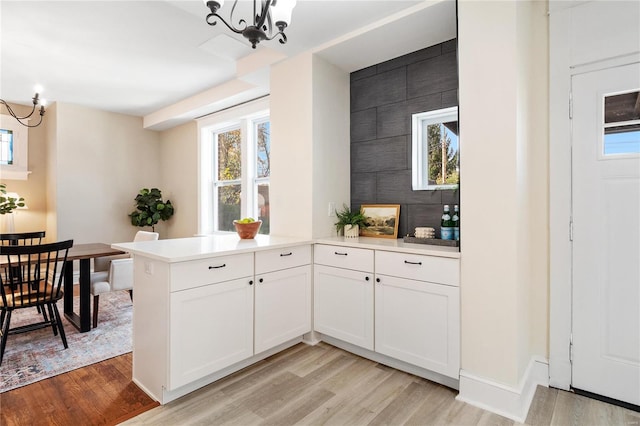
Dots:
{"x": 235, "y": 149}
{"x": 14, "y": 148}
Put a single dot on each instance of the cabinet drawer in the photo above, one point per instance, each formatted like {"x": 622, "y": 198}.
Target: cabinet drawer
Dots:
{"x": 441, "y": 270}
{"x": 344, "y": 257}
{"x": 275, "y": 260}
{"x": 197, "y": 273}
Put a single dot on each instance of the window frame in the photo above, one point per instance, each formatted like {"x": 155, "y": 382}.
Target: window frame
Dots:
{"x": 602, "y": 155}
{"x": 246, "y": 118}
{"x": 19, "y": 169}
{"x": 420, "y": 147}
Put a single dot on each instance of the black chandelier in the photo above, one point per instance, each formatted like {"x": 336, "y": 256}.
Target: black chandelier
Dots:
{"x": 24, "y": 120}
{"x": 271, "y": 12}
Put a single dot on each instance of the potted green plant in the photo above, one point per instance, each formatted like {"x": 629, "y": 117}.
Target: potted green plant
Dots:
{"x": 350, "y": 222}
{"x": 150, "y": 208}
{"x": 8, "y": 203}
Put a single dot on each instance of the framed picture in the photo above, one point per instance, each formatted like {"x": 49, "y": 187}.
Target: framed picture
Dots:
{"x": 382, "y": 220}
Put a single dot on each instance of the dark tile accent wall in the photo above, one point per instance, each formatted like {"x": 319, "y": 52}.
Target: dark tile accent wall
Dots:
{"x": 383, "y": 97}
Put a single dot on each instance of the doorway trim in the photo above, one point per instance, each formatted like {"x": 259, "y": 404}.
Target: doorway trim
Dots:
{"x": 562, "y": 67}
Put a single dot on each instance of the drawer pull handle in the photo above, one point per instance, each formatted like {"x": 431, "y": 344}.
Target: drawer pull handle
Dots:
{"x": 261, "y": 280}
{"x": 366, "y": 278}
{"x": 218, "y": 267}
{"x": 285, "y": 254}
{"x": 250, "y": 282}
{"x": 413, "y": 263}
{"x": 340, "y": 254}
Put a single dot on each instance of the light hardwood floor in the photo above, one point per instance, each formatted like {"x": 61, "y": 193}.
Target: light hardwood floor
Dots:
{"x": 324, "y": 385}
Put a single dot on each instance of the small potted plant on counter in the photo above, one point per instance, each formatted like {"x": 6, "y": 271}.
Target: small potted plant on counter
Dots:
{"x": 350, "y": 222}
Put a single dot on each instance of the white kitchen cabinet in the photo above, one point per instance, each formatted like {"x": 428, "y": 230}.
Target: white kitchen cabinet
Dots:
{"x": 211, "y": 328}
{"x": 282, "y": 306}
{"x": 418, "y": 321}
{"x": 343, "y": 296}
{"x": 282, "y": 295}
{"x": 209, "y": 306}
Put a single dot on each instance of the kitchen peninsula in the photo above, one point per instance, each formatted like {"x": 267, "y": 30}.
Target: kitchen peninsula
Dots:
{"x": 208, "y": 306}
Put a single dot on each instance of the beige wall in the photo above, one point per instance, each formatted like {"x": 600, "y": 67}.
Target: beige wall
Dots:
{"x": 536, "y": 35}
{"x": 504, "y": 190}
{"x": 102, "y": 160}
{"x": 179, "y": 174}
{"x": 92, "y": 163}
{"x": 291, "y": 157}
{"x": 309, "y": 104}
{"x": 33, "y": 189}
{"x": 331, "y": 144}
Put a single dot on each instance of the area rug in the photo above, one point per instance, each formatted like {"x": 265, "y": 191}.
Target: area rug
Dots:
{"x": 36, "y": 355}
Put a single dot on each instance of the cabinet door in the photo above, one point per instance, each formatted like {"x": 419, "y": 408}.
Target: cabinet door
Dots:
{"x": 211, "y": 328}
{"x": 282, "y": 306}
{"x": 419, "y": 323}
{"x": 343, "y": 304}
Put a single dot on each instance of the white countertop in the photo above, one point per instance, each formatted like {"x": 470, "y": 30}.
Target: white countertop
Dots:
{"x": 221, "y": 244}
{"x": 391, "y": 244}
{"x": 227, "y": 243}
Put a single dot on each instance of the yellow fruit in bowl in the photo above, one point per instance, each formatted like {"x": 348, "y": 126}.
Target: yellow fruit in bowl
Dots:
{"x": 247, "y": 229}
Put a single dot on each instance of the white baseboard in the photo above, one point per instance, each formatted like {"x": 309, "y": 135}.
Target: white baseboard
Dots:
{"x": 507, "y": 401}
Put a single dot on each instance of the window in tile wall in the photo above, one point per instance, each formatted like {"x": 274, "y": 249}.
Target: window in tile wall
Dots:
{"x": 235, "y": 168}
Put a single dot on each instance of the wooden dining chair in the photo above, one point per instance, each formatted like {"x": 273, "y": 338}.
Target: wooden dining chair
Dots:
{"x": 32, "y": 276}
{"x": 21, "y": 239}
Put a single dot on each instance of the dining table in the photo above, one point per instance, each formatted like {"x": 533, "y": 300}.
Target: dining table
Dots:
{"x": 82, "y": 253}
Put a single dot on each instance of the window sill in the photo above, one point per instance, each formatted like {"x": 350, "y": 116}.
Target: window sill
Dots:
{"x": 14, "y": 174}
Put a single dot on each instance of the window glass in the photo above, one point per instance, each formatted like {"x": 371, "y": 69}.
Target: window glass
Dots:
{"x": 229, "y": 155}
{"x": 263, "y": 150}
{"x": 443, "y": 163}
{"x": 228, "y": 173}
{"x": 228, "y": 203}
{"x": 622, "y": 123}
{"x": 262, "y": 132}
{"x": 6, "y": 147}
{"x": 263, "y": 207}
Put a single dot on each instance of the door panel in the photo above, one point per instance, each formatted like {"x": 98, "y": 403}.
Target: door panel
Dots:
{"x": 606, "y": 234}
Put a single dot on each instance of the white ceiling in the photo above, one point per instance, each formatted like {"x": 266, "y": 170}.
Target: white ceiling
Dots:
{"x": 159, "y": 59}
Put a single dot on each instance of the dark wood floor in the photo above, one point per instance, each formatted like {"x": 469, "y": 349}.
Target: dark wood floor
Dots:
{"x": 99, "y": 394}
{"x": 306, "y": 385}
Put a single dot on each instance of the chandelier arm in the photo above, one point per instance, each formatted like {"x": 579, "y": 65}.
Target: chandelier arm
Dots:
{"x": 231, "y": 27}
{"x": 240, "y": 22}
{"x": 13, "y": 114}
{"x": 283, "y": 37}
{"x": 264, "y": 13}
{"x": 32, "y": 125}
{"x": 269, "y": 25}
{"x": 20, "y": 119}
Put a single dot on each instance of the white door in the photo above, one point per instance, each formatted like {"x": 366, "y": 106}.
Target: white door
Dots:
{"x": 606, "y": 232}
